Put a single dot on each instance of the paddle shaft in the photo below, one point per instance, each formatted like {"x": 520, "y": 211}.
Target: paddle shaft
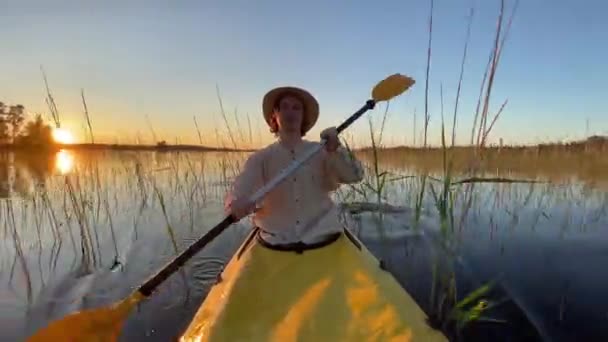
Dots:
{"x": 150, "y": 285}
{"x": 370, "y": 104}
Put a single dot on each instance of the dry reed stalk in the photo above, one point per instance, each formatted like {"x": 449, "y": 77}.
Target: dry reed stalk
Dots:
{"x": 50, "y": 101}
{"x": 414, "y": 129}
{"x": 427, "y": 117}
{"x": 87, "y": 116}
{"x": 492, "y": 74}
{"x": 111, "y": 223}
{"x": 86, "y": 242}
{"x": 464, "y": 57}
{"x": 198, "y": 131}
{"x": 250, "y": 131}
{"x": 238, "y": 126}
{"x": 38, "y": 223}
{"x": 154, "y": 137}
{"x": 219, "y": 98}
{"x": 487, "y": 132}
{"x": 19, "y": 251}
{"x": 496, "y": 54}
{"x": 483, "y": 82}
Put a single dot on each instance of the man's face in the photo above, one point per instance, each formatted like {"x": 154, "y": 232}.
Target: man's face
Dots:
{"x": 290, "y": 114}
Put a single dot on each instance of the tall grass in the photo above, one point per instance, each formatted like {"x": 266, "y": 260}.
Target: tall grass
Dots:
{"x": 445, "y": 194}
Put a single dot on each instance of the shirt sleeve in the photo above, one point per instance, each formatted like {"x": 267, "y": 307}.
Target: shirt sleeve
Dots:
{"x": 341, "y": 167}
{"x": 247, "y": 181}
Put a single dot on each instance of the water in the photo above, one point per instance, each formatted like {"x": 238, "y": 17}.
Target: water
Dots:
{"x": 82, "y": 230}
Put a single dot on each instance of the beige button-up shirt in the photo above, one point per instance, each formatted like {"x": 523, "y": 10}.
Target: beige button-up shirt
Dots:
{"x": 300, "y": 208}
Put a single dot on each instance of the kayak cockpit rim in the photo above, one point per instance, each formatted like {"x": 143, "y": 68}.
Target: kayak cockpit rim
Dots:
{"x": 298, "y": 247}
{"x": 247, "y": 242}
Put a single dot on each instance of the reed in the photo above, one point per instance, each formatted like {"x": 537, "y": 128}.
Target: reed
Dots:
{"x": 443, "y": 188}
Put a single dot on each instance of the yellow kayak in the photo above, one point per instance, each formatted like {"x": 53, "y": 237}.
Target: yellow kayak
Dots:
{"x": 337, "y": 292}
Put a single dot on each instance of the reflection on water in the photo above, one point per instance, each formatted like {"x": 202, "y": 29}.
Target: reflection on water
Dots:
{"x": 64, "y": 162}
{"x": 22, "y": 173}
{"x": 6, "y": 174}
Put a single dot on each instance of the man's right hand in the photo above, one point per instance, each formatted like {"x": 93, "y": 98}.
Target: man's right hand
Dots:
{"x": 241, "y": 207}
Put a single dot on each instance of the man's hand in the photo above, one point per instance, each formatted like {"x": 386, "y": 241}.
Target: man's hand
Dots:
{"x": 241, "y": 207}
{"x": 331, "y": 135}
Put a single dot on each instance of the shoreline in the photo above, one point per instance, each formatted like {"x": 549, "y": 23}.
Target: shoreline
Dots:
{"x": 594, "y": 143}
{"x": 120, "y": 147}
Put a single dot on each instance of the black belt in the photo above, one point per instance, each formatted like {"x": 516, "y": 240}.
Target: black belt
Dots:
{"x": 299, "y": 247}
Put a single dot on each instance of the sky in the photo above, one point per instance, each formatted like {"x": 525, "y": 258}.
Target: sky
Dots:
{"x": 148, "y": 68}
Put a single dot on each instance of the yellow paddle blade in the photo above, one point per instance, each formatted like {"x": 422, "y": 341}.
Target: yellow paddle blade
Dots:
{"x": 102, "y": 324}
{"x": 391, "y": 86}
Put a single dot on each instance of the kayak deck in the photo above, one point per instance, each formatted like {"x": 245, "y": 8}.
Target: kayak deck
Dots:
{"x": 335, "y": 293}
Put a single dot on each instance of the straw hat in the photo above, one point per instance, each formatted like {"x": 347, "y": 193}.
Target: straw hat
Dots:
{"x": 311, "y": 106}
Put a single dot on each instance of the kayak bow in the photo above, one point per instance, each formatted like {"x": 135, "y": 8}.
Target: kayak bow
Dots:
{"x": 335, "y": 293}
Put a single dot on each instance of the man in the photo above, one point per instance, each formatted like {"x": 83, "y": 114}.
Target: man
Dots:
{"x": 300, "y": 209}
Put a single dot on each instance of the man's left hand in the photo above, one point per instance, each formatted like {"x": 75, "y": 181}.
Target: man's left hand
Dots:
{"x": 331, "y": 136}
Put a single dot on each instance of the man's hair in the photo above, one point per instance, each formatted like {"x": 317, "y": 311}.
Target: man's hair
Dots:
{"x": 274, "y": 126}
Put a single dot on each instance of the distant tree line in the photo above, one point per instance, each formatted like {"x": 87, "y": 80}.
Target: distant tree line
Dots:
{"x": 17, "y": 131}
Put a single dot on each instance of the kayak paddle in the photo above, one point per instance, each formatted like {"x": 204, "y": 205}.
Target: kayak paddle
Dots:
{"x": 105, "y": 323}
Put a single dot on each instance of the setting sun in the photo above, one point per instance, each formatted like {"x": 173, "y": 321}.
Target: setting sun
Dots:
{"x": 63, "y": 136}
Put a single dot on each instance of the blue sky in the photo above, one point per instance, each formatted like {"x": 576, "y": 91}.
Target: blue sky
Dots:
{"x": 163, "y": 60}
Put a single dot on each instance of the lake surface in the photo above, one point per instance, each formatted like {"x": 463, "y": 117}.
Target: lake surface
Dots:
{"x": 83, "y": 229}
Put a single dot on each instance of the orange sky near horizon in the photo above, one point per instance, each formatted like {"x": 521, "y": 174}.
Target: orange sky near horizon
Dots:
{"x": 213, "y": 134}
{"x": 114, "y": 123}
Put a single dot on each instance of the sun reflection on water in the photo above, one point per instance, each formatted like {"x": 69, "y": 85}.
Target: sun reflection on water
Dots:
{"x": 64, "y": 162}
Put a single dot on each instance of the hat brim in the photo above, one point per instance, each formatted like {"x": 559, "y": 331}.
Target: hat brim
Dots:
{"x": 311, "y": 106}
